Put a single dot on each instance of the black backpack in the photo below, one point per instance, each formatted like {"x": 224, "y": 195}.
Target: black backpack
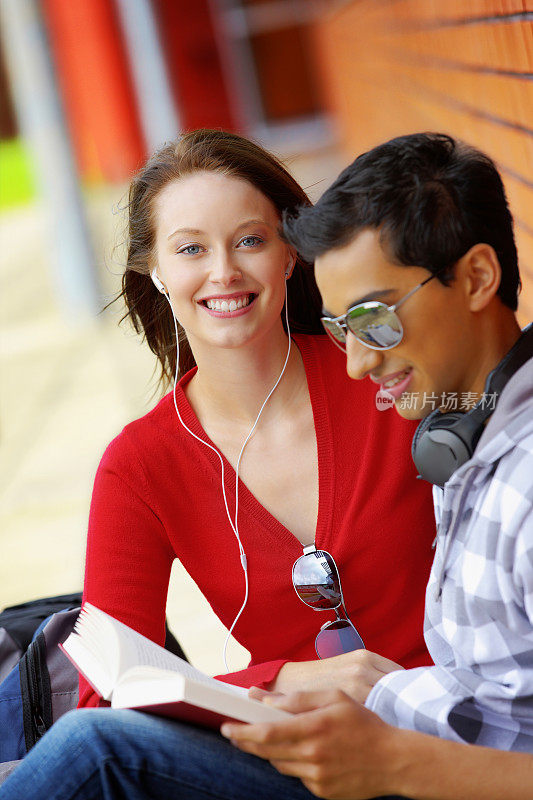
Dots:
{"x": 38, "y": 683}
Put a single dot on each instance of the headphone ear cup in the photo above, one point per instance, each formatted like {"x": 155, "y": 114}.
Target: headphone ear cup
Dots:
{"x": 443, "y": 443}
{"x": 422, "y": 428}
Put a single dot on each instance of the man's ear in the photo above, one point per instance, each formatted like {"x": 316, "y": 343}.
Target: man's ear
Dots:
{"x": 481, "y": 273}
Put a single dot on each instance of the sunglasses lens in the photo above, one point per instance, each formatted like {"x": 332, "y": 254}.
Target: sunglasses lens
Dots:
{"x": 316, "y": 580}
{"x": 336, "y": 638}
{"x": 375, "y": 325}
{"x": 334, "y": 330}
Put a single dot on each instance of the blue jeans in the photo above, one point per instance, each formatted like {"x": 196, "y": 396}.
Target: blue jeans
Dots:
{"x": 101, "y": 754}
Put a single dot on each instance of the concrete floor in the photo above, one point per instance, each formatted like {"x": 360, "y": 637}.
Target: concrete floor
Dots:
{"x": 67, "y": 388}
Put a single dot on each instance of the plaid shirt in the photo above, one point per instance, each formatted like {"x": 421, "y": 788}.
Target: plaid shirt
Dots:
{"x": 479, "y": 599}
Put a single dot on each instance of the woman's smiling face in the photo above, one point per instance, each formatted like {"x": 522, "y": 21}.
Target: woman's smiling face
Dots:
{"x": 219, "y": 254}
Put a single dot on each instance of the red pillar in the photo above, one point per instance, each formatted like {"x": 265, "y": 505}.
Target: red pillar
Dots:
{"x": 96, "y": 87}
{"x": 194, "y": 64}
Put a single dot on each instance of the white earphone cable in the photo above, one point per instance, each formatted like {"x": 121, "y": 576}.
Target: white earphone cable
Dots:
{"x": 236, "y": 527}
{"x": 233, "y": 523}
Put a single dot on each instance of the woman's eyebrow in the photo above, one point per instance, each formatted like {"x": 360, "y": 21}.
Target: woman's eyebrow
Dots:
{"x": 253, "y": 222}
{"x": 198, "y": 232}
{"x": 184, "y": 230}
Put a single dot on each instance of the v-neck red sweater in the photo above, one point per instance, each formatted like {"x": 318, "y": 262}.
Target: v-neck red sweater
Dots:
{"x": 157, "y": 496}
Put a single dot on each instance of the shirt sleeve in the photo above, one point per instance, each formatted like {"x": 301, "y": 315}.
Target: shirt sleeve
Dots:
{"x": 129, "y": 557}
{"x": 260, "y": 675}
{"x": 420, "y": 699}
{"x": 464, "y": 701}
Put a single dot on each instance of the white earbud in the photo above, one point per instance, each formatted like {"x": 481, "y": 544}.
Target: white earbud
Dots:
{"x": 234, "y": 522}
{"x": 289, "y": 269}
{"x": 161, "y": 286}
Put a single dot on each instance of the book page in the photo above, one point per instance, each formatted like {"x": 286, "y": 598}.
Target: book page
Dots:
{"x": 148, "y": 673}
{"x": 138, "y": 651}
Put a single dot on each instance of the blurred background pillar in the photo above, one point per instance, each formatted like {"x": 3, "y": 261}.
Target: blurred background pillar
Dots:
{"x": 195, "y": 64}
{"x": 157, "y": 109}
{"x": 42, "y": 123}
{"x": 97, "y": 87}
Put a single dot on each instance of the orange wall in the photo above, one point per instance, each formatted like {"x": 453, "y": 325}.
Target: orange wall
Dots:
{"x": 463, "y": 68}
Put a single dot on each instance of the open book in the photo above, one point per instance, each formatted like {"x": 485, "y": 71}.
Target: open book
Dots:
{"x": 133, "y": 672}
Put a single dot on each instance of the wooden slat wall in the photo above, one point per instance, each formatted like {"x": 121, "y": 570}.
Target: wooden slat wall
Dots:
{"x": 465, "y": 68}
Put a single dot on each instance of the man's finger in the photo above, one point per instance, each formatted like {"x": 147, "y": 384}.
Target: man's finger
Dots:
{"x": 297, "y": 745}
{"x": 300, "y": 726}
{"x": 264, "y": 733}
{"x": 296, "y": 769}
{"x": 383, "y": 664}
{"x": 255, "y": 693}
{"x": 301, "y": 702}
{"x": 286, "y": 751}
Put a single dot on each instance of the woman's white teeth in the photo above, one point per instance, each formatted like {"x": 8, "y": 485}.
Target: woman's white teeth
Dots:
{"x": 397, "y": 379}
{"x": 224, "y": 305}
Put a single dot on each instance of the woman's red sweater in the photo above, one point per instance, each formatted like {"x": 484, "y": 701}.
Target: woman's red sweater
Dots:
{"x": 157, "y": 496}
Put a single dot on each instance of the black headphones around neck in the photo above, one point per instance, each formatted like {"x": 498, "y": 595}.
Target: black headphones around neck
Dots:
{"x": 444, "y": 442}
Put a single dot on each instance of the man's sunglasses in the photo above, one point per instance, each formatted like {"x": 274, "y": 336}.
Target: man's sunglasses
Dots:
{"x": 316, "y": 580}
{"x": 374, "y": 324}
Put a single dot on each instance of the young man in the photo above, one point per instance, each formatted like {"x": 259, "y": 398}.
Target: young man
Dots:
{"x": 416, "y": 263}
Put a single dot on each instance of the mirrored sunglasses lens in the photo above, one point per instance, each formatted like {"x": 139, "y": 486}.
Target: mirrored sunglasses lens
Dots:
{"x": 337, "y": 638}
{"x": 334, "y": 330}
{"x": 316, "y": 580}
{"x": 375, "y": 325}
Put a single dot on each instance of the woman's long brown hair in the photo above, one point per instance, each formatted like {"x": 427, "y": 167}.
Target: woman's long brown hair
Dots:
{"x": 211, "y": 151}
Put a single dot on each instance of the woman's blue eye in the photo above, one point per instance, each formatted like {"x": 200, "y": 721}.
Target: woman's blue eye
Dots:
{"x": 190, "y": 249}
{"x": 251, "y": 241}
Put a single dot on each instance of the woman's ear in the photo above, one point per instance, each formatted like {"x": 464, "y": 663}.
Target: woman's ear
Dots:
{"x": 291, "y": 263}
{"x": 481, "y": 273}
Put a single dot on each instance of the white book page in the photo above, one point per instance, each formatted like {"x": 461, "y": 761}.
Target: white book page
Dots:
{"x": 136, "y": 650}
{"x": 91, "y": 667}
{"x": 149, "y": 673}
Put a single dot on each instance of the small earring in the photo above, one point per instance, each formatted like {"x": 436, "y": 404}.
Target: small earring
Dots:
{"x": 289, "y": 269}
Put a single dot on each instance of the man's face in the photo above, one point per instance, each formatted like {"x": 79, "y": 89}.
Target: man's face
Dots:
{"x": 435, "y": 357}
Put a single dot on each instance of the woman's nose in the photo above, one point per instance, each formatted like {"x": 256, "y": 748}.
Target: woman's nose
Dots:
{"x": 224, "y": 269}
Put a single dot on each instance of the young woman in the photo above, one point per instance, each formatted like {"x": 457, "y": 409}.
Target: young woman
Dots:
{"x": 317, "y": 463}
{"x": 322, "y": 466}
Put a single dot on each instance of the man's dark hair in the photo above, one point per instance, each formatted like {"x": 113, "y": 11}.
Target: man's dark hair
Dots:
{"x": 431, "y": 197}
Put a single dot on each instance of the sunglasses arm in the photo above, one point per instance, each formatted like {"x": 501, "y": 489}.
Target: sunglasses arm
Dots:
{"x": 419, "y": 286}
{"x": 397, "y": 305}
